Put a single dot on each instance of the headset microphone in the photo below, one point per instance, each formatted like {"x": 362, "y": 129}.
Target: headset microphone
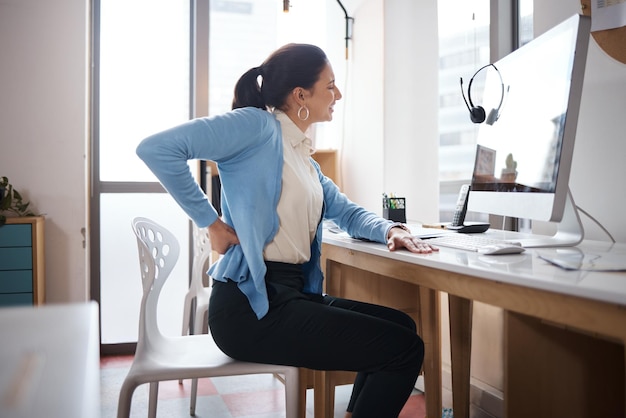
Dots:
{"x": 477, "y": 113}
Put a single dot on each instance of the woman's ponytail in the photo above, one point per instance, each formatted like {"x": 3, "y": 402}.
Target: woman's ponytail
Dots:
{"x": 248, "y": 91}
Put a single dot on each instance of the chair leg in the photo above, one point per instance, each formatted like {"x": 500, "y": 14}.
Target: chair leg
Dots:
{"x": 330, "y": 393}
{"x": 125, "y": 399}
{"x": 152, "y": 401}
{"x": 198, "y": 325}
{"x": 194, "y": 397}
{"x": 293, "y": 393}
{"x": 331, "y": 400}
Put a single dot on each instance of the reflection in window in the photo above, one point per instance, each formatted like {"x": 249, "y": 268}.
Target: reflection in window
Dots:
{"x": 525, "y": 22}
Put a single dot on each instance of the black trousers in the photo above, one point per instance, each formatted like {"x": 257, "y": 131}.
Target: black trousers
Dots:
{"x": 323, "y": 333}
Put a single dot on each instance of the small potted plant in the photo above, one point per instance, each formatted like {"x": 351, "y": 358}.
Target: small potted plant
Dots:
{"x": 11, "y": 202}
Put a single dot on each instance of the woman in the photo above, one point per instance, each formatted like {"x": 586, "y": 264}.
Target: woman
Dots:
{"x": 267, "y": 304}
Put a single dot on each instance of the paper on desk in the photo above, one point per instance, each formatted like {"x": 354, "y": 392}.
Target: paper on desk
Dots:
{"x": 421, "y": 232}
{"x": 575, "y": 259}
{"x": 607, "y": 14}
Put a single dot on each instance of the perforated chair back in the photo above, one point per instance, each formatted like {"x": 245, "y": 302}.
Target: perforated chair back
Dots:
{"x": 158, "y": 253}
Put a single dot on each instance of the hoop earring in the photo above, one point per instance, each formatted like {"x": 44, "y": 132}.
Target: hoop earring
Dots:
{"x": 307, "y": 113}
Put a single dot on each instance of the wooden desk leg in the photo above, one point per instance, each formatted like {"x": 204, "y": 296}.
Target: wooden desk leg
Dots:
{"x": 320, "y": 395}
{"x": 461, "y": 351}
{"x": 430, "y": 320}
{"x": 303, "y": 381}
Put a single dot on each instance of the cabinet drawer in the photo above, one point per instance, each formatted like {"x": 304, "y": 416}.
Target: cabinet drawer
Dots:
{"x": 18, "y": 258}
{"x": 16, "y": 299}
{"x": 16, "y": 281}
{"x": 16, "y": 236}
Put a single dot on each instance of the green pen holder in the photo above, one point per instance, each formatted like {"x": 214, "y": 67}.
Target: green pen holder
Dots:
{"x": 394, "y": 209}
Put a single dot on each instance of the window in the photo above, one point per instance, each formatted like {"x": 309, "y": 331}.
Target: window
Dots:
{"x": 144, "y": 79}
{"x": 525, "y": 22}
{"x": 464, "y": 47}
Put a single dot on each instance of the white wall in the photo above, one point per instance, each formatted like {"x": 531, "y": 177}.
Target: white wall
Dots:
{"x": 362, "y": 152}
{"x": 411, "y": 136}
{"x": 43, "y": 127}
{"x": 392, "y": 135}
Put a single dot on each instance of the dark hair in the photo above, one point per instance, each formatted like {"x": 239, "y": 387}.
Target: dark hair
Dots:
{"x": 291, "y": 66}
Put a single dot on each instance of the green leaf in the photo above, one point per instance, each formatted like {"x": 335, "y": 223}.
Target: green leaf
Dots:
{"x": 12, "y": 201}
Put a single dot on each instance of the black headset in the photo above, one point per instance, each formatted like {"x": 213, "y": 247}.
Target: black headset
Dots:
{"x": 477, "y": 113}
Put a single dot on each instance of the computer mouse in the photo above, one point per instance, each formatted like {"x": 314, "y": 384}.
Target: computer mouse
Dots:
{"x": 499, "y": 249}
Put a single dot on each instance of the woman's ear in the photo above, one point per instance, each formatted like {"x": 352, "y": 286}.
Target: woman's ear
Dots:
{"x": 299, "y": 94}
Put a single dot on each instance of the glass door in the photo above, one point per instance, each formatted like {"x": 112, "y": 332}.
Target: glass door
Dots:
{"x": 142, "y": 83}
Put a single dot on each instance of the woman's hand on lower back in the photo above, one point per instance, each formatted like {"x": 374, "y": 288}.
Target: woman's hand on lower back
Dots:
{"x": 222, "y": 236}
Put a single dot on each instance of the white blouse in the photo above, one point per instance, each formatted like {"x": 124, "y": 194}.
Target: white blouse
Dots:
{"x": 300, "y": 203}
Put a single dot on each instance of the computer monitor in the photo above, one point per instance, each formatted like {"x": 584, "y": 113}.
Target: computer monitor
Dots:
{"x": 524, "y": 153}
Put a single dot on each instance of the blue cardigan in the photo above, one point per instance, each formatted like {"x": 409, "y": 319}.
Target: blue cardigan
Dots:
{"x": 248, "y": 148}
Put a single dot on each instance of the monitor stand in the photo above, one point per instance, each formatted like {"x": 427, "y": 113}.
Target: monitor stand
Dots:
{"x": 569, "y": 231}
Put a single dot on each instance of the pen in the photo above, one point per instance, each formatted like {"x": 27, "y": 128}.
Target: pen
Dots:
{"x": 435, "y": 226}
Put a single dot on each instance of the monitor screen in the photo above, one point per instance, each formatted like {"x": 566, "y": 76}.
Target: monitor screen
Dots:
{"x": 524, "y": 150}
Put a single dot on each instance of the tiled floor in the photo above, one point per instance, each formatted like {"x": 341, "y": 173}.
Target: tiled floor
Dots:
{"x": 257, "y": 396}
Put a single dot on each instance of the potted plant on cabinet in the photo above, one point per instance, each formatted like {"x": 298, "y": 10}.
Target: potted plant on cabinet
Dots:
{"x": 11, "y": 202}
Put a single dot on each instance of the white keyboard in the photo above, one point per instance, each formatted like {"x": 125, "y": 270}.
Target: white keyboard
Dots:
{"x": 466, "y": 242}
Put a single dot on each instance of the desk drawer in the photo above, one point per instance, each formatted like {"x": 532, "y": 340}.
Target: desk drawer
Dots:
{"x": 16, "y": 236}
{"x": 22, "y": 268}
{"x": 16, "y": 299}
{"x": 16, "y": 281}
{"x": 18, "y": 258}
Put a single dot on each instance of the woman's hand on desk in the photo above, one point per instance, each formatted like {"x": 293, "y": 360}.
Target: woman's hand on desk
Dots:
{"x": 401, "y": 238}
{"x": 222, "y": 236}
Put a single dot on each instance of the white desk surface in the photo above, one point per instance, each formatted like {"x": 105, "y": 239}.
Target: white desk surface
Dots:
{"x": 526, "y": 269}
{"x": 49, "y": 361}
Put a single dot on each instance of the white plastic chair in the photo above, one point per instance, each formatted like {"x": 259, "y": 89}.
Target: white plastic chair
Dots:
{"x": 159, "y": 357}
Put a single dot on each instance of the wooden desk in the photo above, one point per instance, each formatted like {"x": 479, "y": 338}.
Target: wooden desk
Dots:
{"x": 527, "y": 288}
{"x": 49, "y": 361}
{"x": 348, "y": 277}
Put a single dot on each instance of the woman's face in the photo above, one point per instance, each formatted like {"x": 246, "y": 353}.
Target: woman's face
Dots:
{"x": 322, "y": 97}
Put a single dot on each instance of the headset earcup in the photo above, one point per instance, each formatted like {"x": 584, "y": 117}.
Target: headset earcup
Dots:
{"x": 477, "y": 114}
{"x": 493, "y": 117}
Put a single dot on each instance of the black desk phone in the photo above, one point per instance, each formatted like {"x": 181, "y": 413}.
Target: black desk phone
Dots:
{"x": 458, "y": 219}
